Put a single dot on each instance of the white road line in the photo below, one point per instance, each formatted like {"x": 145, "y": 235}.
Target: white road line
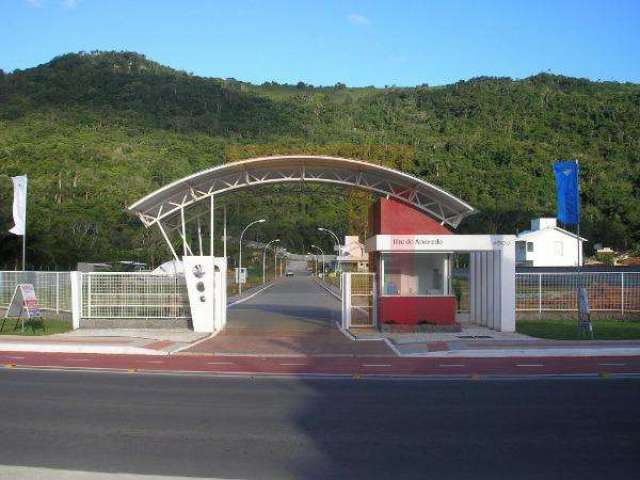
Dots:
{"x": 375, "y": 365}
{"x": 219, "y": 363}
{"x": 445, "y": 365}
{"x": 77, "y": 359}
{"x": 14, "y": 357}
{"x": 155, "y": 361}
{"x": 612, "y": 364}
{"x": 293, "y": 364}
{"x": 529, "y": 365}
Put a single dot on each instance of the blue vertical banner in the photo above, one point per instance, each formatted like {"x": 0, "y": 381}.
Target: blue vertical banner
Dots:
{"x": 568, "y": 191}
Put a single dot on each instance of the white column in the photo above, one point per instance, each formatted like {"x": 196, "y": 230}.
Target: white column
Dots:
{"x": 508, "y": 288}
{"x": 76, "y": 299}
{"x": 497, "y": 290}
{"x": 184, "y": 232}
{"x": 212, "y": 228}
{"x": 224, "y": 233}
{"x": 473, "y": 309}
{"x": 346, "y": 300}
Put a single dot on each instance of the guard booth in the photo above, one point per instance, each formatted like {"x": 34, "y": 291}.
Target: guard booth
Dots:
{"x": 411, "y": 256}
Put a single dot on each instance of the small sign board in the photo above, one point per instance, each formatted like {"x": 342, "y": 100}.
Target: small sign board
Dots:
{"x": 241, "y": 275}
{"x": 24, "y": 299}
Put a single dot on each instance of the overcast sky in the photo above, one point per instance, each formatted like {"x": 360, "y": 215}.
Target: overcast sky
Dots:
{"x": 323, "y": 42}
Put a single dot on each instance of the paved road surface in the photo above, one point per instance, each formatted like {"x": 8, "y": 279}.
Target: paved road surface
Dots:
{"x": 320, "y": 429}
{"x": 296, "y": 316}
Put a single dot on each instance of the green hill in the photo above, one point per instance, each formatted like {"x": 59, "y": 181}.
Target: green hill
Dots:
{"x": 97, "y": 131}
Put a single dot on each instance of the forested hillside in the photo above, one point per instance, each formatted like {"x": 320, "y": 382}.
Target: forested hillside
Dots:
{"x": 94, "y": 132}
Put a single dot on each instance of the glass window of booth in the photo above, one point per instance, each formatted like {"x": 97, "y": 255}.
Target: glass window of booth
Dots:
{"x": 415, "y": 274}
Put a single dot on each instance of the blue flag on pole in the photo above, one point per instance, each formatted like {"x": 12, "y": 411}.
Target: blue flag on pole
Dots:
{"x": 568, "y": 191}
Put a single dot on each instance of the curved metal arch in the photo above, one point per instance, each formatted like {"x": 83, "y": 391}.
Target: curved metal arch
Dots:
{"x": 169, "y": 200}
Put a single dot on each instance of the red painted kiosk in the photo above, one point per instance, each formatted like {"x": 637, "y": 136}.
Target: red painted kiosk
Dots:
{"x": 414, "y": 287}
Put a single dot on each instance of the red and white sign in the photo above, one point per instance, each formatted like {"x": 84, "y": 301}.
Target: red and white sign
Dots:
{"x": 439, "y": 243}
{"x": 24, "y": 299}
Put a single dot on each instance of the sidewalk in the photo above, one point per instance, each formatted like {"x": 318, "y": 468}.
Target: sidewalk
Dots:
{"x": 106, "y": 341}
{"x": 118, "y": 341}
{"x": 496, "y": 344}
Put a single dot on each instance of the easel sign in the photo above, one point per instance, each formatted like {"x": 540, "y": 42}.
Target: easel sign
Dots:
{"x": 24, "y": 300}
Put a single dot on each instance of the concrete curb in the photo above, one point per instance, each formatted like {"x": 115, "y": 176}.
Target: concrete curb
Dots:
{"x": 321, "y": 283}
{"x": 79, "y": 348}
{"x": 529, "y": 352}
{"x": 249, "y": 297}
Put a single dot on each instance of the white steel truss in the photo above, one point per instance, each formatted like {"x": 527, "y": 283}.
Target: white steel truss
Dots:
{"x": 168, "y": 202}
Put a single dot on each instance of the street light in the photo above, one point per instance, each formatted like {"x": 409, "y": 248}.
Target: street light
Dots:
{"x": 264, "y": 256}
{"x": 321, "y": 253}
{"x": 262, "y": 220}
{"x": 275, "y": 261}
{"x": 321, "y": 229}
{"x": 315, "y": 258}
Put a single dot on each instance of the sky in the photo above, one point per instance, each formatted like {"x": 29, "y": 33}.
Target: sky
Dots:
{"x": 359, "y": 43}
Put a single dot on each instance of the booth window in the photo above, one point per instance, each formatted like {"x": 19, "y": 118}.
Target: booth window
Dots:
{"x": 419, "y": 274}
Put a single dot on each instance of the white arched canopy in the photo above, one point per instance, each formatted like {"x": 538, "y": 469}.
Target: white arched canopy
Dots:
{"x": 171, "y": 200}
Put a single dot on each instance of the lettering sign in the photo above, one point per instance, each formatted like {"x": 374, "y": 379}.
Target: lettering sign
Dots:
{"x": 415, "y": 243}
{"x": 440, "y": 243}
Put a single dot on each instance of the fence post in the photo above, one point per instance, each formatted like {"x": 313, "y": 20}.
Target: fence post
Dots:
{"x": 89, "y": 293}
{"x": 57, "y": 292}
{"x": 374, "y": 307}
{"x": 345, "y": 287}
{"x": 539, "y": 295}
{"x": 622, "y": 293}
{"x": 76, "y": 298}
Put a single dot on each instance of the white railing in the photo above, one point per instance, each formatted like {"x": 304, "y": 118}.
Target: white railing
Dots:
{"x": 616, "y": 292}
{"x": 133, "y": 296}
{"x": 359, "y": 299}
{"x": 53, "y": 289}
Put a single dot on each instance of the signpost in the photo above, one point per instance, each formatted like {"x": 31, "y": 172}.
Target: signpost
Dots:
{"x": 24, "y": 299}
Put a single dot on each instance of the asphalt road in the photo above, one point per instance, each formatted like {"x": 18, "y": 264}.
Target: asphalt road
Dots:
{"x": 296, "y": 304}
{"x": 320, "y": 429}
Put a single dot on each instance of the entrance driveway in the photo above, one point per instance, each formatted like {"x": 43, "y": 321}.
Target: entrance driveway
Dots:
{"x": 296, "y": 316}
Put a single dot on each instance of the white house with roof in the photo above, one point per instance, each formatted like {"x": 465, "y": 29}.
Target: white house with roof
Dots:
{"x": 547, "y": 245}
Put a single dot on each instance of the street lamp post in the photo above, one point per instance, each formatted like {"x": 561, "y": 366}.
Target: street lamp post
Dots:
{"x": 275, "y": 261}
{"x": 321, "y": 253}
{"x": 315, "y": 258}
{"x": 321, "y": 229}
{"x": 264, "y": 257}
{"x": 262, "y": 220}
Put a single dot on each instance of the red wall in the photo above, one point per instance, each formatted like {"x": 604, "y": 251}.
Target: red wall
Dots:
{"x": 414, "y": 310}
{"x": 393, "y": 217}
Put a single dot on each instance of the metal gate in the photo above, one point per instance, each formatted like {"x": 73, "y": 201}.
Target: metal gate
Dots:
{"x": 359, "y": 300}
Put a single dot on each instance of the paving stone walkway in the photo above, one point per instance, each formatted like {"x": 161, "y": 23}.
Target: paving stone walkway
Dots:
{"x": 294, "y": 317}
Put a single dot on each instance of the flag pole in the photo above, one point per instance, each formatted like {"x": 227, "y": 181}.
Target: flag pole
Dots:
{"x": 24, "y": 234}
{"x": 585, "y": 327}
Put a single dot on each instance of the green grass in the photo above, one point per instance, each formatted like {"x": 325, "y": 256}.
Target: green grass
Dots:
{"x": 567, "y": 329}
{"x": 35, "y": 328}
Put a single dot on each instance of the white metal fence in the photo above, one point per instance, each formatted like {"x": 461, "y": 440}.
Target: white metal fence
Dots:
{"x": 53, "y": 289}
{"x": 133, "y": 296}
{"x": 616, "y": 292}
{"x": 359, "y": 299}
